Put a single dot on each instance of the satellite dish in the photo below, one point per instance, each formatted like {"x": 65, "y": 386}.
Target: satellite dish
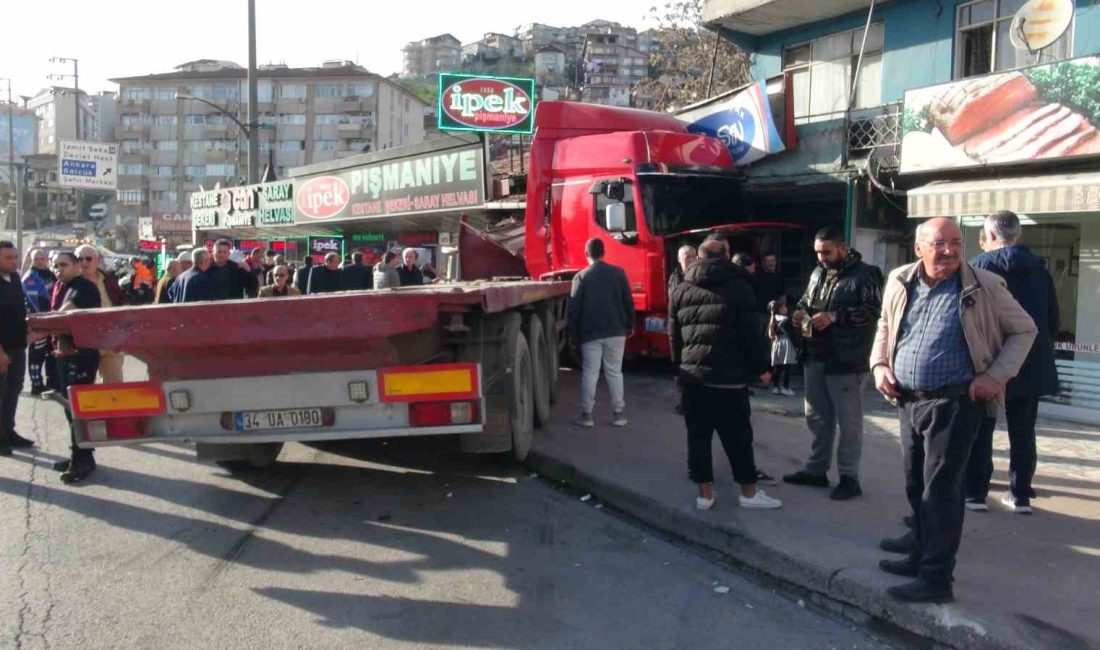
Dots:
{"x": 1039, "y": 23}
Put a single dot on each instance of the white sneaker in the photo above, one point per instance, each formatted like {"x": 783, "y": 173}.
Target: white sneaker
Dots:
{"x": 704, "y": 504}
{"x": 760, "y": 501}
{"x": 776, "y": 391}
{"x": 787, "y": 391}
{"x": 619, "y": 419}
{"x": 977, "y": 505}
{"x": 585, "y": 420}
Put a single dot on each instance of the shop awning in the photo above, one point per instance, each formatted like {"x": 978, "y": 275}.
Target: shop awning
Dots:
{"x": 1032, "y": 195}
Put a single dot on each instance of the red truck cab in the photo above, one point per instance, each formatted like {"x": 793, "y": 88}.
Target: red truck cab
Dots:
{"x": 585, "y": 158}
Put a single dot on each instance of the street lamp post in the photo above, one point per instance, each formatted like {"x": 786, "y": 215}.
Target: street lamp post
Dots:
{"x": 253, "y": 136}
{"x": 14, "y": 186}
{"x": 75, "y": 76}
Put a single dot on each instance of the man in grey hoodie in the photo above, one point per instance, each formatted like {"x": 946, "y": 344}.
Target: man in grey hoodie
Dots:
{"x": 599, "y": 318}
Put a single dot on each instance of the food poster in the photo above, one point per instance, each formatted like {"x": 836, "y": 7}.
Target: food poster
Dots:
{"x": 1042, "y": 113}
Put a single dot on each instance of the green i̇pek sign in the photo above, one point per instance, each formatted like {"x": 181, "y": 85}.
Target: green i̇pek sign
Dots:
{"x": 486, "y": 104}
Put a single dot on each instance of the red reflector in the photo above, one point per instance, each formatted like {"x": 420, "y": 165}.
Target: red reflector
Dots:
{"x": 435, "y": 414}
{"x": 126, "y": 428}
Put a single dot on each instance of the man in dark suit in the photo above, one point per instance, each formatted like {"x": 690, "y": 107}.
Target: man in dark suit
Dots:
{"x": 356, "y": 275}
{"x": 326, "y": 278}
{"x": 301, "y": 276}
{"x": 194, "y": 284}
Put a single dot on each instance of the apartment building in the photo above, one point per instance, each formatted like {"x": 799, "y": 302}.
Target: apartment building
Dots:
{"x": 436, "y": 54}
{"x": 611, "y": 69}
{"x": 176, "y": 130}
{"x": 56, "y": 108}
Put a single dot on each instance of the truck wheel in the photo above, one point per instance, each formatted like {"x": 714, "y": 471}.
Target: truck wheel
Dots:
{"x": 540, "y": 369}
{"x": 260, "y": 456}
{"x": 522, "y": 409}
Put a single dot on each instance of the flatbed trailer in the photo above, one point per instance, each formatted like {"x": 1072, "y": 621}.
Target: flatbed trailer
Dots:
{"x": 241, "y": 377}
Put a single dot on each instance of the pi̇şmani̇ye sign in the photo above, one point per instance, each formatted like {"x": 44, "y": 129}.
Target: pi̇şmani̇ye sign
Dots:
{"x": 486, "y": 104}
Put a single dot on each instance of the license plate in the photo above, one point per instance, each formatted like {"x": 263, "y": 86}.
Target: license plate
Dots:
{"x": 309, "y": 418}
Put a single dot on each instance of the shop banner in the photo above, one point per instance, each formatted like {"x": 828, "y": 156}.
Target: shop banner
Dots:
{"x": 321, "y": 246}
{"x": 486, "y": 104}
{"x": 1043, "y": 113}
{"x": 145, "y": 228}
{"x": 171, "y": 225}
{"x": 745, "y": 122}
{"x": 23, "y": 135}
{"x": 265, "y": 204}
{"x": 434, "y": 182}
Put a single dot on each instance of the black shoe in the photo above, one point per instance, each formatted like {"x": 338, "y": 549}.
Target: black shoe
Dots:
{"x": 903, "y": 544}
{"x": 802, "y": 477}
{"x": 922, "y": 591}
{"x": 38, "y": 390}
{"x": 16, "y": 441}
{"x": 77, "y": 473}
{"x": 907, "y": 520}
{"x": 848, "y": 488}
{"x": 62, "y": 465}
{"x": 765, "y": 479}
{"x": 900, "y": 567}
{"x": 5, "y": 450}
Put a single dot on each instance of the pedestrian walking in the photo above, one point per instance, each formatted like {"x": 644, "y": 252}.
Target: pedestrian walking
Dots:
{"x": 281, "y": 286}
{"x": 327, "y": 277}
{"x": 110, "y": 295}
{"x": 356, "y": 275}
{"x": 75, "y": 365}
{"x": 385, "y": 272}
{"x": 38, "y": 283}
{"x": 784, "y": 353}
{"x": 13, "y": 346}
{"x": 195, "y": 284}
{"x": 836, "y": 316}
{"x": 949, "y": 339}
{"x": 184, "y": 258}
{"x": 409, "y": 272}
{"x": 684, "y": 258}
{"x": 599, "y": 318}
{"x": 1030, "y": 284}
{"x": 720, "y": 350}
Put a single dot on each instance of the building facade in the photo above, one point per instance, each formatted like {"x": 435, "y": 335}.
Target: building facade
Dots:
{"x": 171, "y": 143}
{"x": 436, "y": 54}
{"x": 611, "y": 69}
{"x": 878, "y": 146}
{"x": 57, "y": 109}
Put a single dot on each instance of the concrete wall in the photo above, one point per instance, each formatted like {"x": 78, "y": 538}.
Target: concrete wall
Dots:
{"x": 919, "y": 41}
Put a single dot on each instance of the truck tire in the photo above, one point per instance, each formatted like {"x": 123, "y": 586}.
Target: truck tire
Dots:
{"x": 541, "y": 361}
{"x": 261, "y": 455}
{"x": 549, "y": 327}
{"x": 522, "y": 408}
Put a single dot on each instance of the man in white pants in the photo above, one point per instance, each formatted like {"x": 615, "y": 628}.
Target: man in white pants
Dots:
{"x": 600, "y": 317}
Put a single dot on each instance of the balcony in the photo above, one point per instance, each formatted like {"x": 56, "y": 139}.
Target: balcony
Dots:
{"x": 160, "y": 183}
{"x": 162, "y": 132}
{"x": 216, "y": 131}
{"x": 165, "y": 106}
{"x": 132, "y": 131}
{"x": 160, "y": 157}
{"x": 349, "y": 131}
{"x": 290, "y": 106}
{"x": 876, "y": 132}
{"x": 761, "y": 17}
{"x": 137, "y": 157}
{"x": 216, "y": 156}
{"x": 133, "y": 182}
{"x": 136, "y": 105}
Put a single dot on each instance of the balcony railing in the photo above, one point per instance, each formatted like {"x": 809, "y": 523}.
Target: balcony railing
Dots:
{"x": 871, "y": 130}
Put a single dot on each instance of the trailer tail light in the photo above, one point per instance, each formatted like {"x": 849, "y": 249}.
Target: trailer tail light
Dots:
{"x": 436, "y": 414}
{"x": 436, "y": 382}
{"x": 107, "y": 401}
{"x": 116, "y": 429}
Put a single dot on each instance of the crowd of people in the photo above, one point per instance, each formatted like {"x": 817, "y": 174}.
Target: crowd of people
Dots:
{"x": 952, "y": 344}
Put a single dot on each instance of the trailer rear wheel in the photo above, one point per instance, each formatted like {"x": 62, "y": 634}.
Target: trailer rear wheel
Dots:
{"x": 522, "y": 408}
{"x": 541, "y": 361}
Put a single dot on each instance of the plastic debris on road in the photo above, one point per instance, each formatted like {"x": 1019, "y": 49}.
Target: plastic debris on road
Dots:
{"x": 721, "y": 590}
{"x": 586, "y": 497}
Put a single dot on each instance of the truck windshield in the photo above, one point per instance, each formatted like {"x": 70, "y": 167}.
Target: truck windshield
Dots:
{"x": 675, "y": 203}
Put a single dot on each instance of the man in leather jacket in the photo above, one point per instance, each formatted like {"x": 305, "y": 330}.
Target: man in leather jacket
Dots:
{"x": 837, "y": 315}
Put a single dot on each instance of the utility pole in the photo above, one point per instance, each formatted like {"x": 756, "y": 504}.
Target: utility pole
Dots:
{"x": 14, "y": 187}
{"x": 253, "y": 131}
{"x": 78, "y": 194}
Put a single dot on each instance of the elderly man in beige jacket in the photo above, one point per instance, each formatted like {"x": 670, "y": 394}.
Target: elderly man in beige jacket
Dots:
{"x": 949, "y": 339}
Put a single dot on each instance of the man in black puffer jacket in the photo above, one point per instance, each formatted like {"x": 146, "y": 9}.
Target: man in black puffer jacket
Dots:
{"x": 838, "y": 312}
{"x": 721, "y": 350}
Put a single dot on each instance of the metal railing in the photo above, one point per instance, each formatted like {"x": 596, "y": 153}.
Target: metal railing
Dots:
{"x": 873, "y": 129}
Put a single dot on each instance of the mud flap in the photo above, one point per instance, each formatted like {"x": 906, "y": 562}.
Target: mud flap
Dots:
{"x": 496, "y": 361}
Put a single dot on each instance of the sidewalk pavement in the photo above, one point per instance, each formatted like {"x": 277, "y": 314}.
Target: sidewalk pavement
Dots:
{"x": 1021, "y": 581}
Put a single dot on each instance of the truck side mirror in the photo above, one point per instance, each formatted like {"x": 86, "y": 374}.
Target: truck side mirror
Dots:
{"x": 615, "y": 217}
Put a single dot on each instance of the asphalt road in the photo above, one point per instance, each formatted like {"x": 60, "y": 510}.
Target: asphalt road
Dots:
{"x": 407, "y": 544}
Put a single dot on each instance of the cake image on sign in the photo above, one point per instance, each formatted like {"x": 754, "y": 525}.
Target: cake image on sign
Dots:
{"x": 486, "y": 103}
{"x": 322, "y": 197}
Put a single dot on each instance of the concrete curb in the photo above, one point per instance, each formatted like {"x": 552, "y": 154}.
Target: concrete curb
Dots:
{"x": 833, "y": 591}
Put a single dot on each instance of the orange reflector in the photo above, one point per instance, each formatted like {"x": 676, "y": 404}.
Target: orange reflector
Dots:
{"x": 443, "y": 381}
{"x": 116, "y": 400}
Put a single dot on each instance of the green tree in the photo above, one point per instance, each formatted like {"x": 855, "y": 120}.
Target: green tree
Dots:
{"x": 680, "y": 68}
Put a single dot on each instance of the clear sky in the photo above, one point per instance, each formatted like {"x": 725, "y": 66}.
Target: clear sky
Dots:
{"x": 117, "y": 38}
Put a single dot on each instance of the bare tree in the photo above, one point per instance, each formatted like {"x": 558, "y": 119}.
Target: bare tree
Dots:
{"x": 691, "y": 63}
